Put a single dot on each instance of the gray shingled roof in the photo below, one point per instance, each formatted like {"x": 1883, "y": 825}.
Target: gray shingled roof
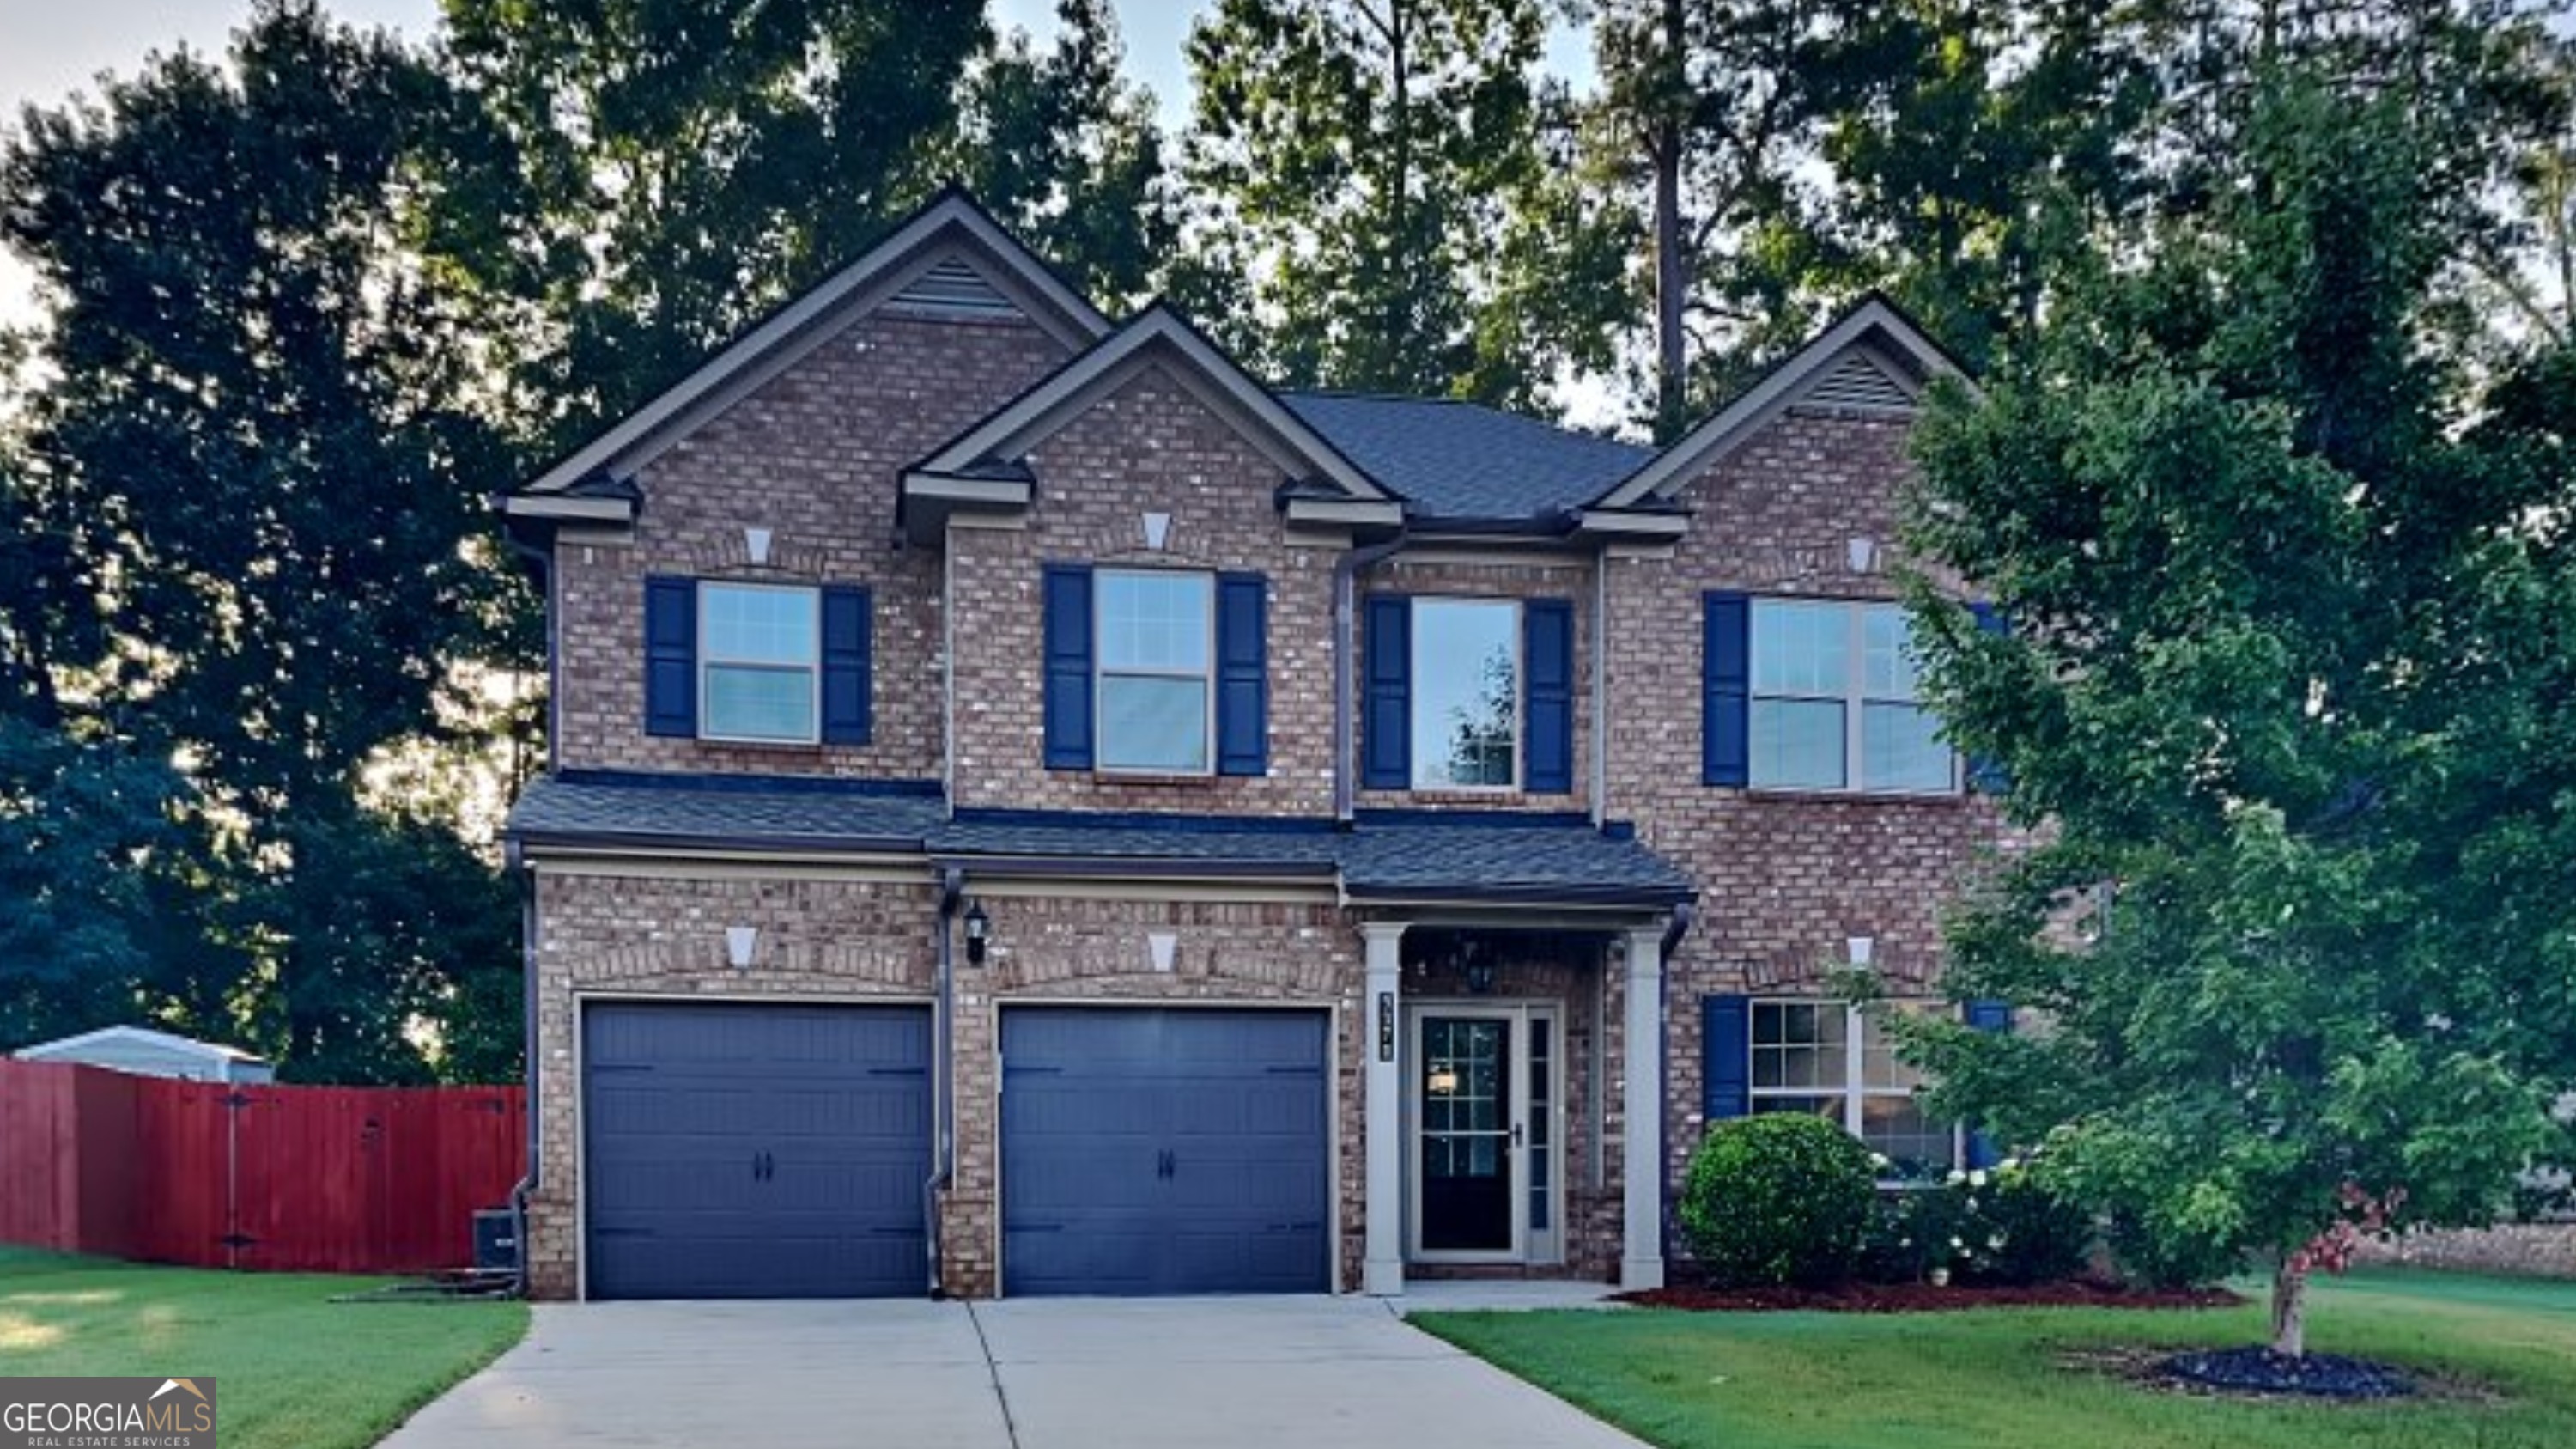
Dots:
{"x": 1416, "y": 855}
{"x": 604, "y": 807}
{"x": 1458, "y": 460}
{"x": 1503, "y": 862}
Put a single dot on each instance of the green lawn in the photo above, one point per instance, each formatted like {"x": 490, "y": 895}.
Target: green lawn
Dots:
{"x": 2000, "y": 1378}
{"x": 293, "y": 1369}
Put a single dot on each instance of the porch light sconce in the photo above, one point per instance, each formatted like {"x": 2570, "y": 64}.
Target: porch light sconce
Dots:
{"x": 740, "y": 941}
{"x": 1479, "y": 969}
{"x": 979, "y": 933}
{"x": 1862, "y": 948}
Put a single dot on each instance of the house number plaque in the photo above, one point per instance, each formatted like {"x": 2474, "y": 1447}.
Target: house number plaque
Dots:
{"x": 1386, "y": 1026}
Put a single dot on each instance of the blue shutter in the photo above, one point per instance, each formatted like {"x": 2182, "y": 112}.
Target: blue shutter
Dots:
{"x": 1995, "y": 1016}
{"x": 847, "y": 665}
{"x": 1726, "y": 1056}
{"x": 670, "y": 656}
{"x": 1547, "y": 695}
{"x": 1386, "y": 715}
{"x": 1726, "y": 689}
{"x": 1068, "y": 666}
{"x": 1986, "y": 775}
{"x": 1242, "y": 674}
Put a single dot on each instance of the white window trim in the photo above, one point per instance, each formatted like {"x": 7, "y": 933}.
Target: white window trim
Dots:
{"x": 1855, "y": 1091}
{"x": 1520, "y": 695}
{"x": 1855, "y": 700}
{"x": 813, "y": 666}
{"x": 1101, "y": 672}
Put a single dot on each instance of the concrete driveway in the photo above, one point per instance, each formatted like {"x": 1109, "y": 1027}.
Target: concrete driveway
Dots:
{"x": 1027, "y": 1374}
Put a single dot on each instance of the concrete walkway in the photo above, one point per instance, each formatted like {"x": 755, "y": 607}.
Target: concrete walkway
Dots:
{"x": 1247, "y": 1373}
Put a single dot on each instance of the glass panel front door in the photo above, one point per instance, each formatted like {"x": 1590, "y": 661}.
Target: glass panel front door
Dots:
{"x": 1466, "y": 1135}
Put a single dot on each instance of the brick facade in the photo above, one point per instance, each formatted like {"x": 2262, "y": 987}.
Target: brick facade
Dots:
{"x": 814, "y": 455}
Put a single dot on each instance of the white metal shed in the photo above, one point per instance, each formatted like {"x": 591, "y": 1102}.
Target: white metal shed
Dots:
{"x": 150, "y": 1053}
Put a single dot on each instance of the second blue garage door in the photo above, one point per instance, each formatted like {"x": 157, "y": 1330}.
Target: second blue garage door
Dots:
{"x": 1149, "y": 1150}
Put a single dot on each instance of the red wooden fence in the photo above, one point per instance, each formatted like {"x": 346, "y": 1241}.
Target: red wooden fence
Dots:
{"x": 318, "y": 1179}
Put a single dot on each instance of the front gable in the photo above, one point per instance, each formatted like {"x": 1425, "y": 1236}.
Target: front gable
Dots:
{"x": 950, "y": 262}
{"x": 988, "y": 469}
{"x": 1873, "y": 361}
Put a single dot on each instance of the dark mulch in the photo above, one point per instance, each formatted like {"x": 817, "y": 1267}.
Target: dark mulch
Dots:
{"x": 2263, "y": 1372}
{"x": 1924, "y": 1298}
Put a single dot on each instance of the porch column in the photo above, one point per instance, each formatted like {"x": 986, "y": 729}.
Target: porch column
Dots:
{"x": 1641, "y": 1158}
{"x": 1382, "y": 1269}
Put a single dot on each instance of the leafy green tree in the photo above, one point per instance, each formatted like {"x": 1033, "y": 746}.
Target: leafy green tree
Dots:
{"x": 1065, "y": 152}
{"x": 1375, "y": 204}
{"x": 2285, "y": 588}
{"x": 682, "y": 170}
{"x": 260, "y": 442}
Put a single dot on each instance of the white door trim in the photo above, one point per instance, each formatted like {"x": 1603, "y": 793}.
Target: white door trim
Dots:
{"x": 1529, "y": 1246}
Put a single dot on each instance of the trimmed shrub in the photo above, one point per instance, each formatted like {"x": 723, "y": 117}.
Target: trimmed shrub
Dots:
{"x": 2013, "y": 1230}
{"x": 1783, "y": 1198}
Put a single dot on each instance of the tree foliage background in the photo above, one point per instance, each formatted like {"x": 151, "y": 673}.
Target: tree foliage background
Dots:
{"x": 268, "y": 667}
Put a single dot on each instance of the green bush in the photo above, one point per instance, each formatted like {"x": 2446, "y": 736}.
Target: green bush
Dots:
{"x": 1783, "y": 1198}
{"x": 2012, "y": 1229}
{"x": 1996, "y": 1225}
{"x": 2167, "y": 1259}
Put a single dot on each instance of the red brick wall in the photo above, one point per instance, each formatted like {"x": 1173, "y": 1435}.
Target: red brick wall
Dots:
{"x": 1785, "y": 879}
{"x": 813, "y": 456}
{"x": 1149, "y": 445}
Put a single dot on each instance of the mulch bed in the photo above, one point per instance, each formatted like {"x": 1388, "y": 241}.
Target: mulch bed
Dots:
{"x": 1923, "y": 1298}
{"x": 2260, "y": 1371}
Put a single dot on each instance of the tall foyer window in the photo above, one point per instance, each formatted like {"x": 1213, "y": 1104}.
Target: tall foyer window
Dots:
{"x": 1466, "y": 693}
{"x": 1157, "y": 652}
{"x": 1835, "y": 702}
{"x": 759, "y": 662}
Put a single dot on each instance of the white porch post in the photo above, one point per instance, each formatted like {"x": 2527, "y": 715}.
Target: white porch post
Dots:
{"x": 1382, "y": 1270}
{"x": 1641, "y": 1158}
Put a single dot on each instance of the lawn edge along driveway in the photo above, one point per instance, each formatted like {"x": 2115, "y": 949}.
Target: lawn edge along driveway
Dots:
{"x": 293, "y": 1368}
{"x": 2501, "y": 1354}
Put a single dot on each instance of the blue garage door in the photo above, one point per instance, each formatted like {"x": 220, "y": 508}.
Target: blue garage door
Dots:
{"x": 1165, "y": 1151}
{"x": 755, "y": 1151}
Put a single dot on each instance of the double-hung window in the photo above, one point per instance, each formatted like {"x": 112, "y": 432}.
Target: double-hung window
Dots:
{"x": 1839, "y": 1062}
{"x": 759, "y": 663}
{"x": 1156, "y": 651}
{"x": 1835, "y": 703}
{"x": 1466, "y": 694}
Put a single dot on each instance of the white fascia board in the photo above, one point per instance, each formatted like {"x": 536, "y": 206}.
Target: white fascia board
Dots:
{"x": 795, "y": 330}
{"x": 1767, "y": 399}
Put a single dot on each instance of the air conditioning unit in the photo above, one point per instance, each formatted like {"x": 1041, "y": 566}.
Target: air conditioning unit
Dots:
{"x": 496, "y": 1241}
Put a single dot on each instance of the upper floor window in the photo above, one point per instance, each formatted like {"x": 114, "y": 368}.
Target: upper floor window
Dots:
{"x": 759, "y": 662}
{"x": 1157, "y": 661}
{"x": 1466, "y": 694}
{"x": 1839, "y": 1062}
{"x": 1835, "y": 702}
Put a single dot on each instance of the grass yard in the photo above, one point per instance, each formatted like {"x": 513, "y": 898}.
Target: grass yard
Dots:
{"x": 293, "y": 1370}
{"x": 2000, "y": 1378}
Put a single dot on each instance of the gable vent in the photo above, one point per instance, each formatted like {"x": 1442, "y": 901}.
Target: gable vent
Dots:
{"x": 952, "y": 288}
{"x": 1856, "y": 382}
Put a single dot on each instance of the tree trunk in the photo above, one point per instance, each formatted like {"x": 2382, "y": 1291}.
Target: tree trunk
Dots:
{"x": 2289, "y": 1310}
{"x": 1671, "y": 278}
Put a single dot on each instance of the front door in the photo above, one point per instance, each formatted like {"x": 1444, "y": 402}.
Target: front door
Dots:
{"x": 1484, "y": 1107}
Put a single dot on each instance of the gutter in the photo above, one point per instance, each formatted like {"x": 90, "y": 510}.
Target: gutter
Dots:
{"x": 943, "y": 1104}
{"x": 1345, "y": 607}
{"x": 534, "y": 1174}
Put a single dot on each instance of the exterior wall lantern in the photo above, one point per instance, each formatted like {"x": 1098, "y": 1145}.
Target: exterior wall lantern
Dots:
{"x": 979, "y": 933}
{"x": 1479, "y": 968}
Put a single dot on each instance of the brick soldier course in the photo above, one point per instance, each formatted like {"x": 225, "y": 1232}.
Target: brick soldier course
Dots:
{"x": 801, "y": 457}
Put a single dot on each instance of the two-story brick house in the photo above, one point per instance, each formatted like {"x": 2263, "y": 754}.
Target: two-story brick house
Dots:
{"x": 1034, "y": 810}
